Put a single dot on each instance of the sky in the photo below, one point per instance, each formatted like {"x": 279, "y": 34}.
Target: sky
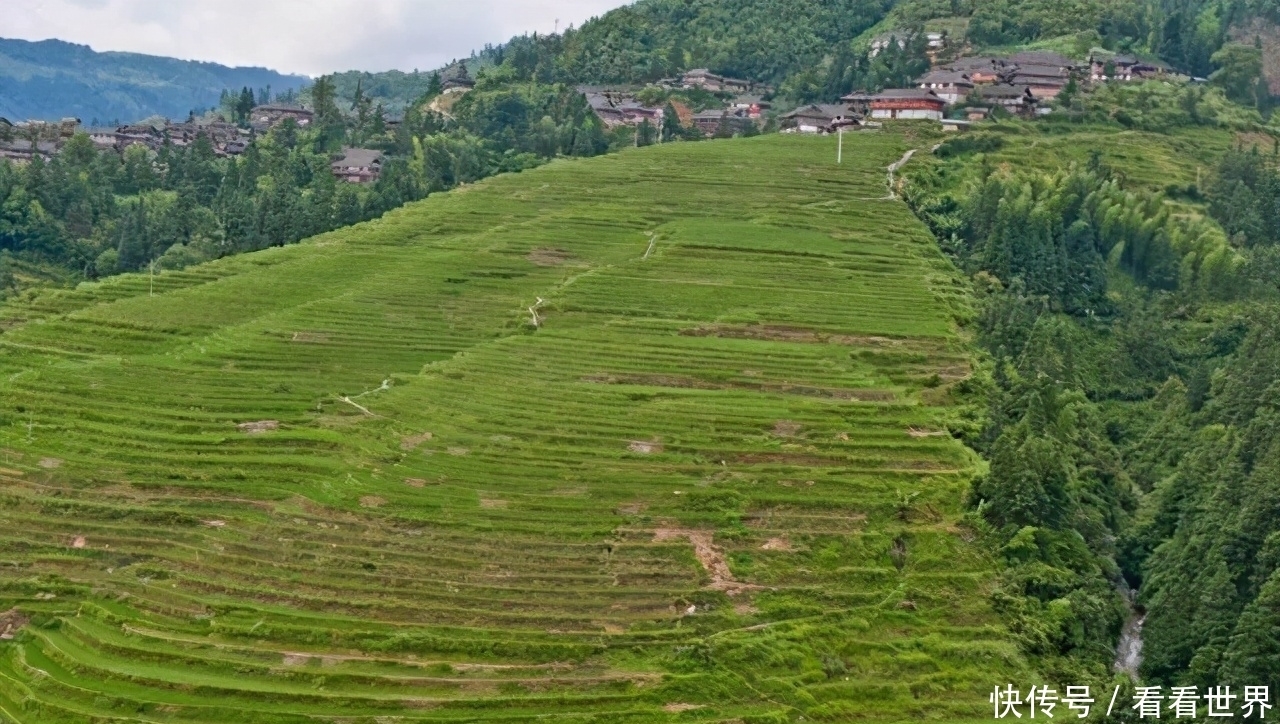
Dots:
{"x": 311, "y": 37}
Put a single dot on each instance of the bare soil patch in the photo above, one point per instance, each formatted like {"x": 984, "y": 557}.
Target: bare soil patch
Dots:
{"x": 917, "y": 432}
{"x": 78, "y": 542}
{"x": 415, "y": 482}
{"x": 50, "y": 463}
{"x": 493, "y": 503}
{"x": 710, "y": 556}
{"x": 632, "y": 508}
{"x": 372, "y": 501}
{"x": 411, "y": 442}
{"x": 259, "y": 427}
{"x": 10, "y": 622}
{"x": 678, "y": 708}
{"x": 296, "y": 659}
{"x": 786, "y": 428}
{"x": 216, "y": 523}
{"x": 645, "y": 448}
{"x": 549, "y": 257}
{"x": 459, "y": 451}
{"x": 777, "y": 544}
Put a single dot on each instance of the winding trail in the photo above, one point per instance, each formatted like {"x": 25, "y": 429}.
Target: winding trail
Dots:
{"x": 893, "y": 168}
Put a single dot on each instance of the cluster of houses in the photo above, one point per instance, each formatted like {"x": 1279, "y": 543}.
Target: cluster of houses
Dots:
{"x": 1020, "y": 84}
{"x": 620, "y": 106}
{"x": 22, "y": 142}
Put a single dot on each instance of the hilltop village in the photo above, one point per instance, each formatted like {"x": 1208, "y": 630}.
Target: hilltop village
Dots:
{"x": 955, "y": 92}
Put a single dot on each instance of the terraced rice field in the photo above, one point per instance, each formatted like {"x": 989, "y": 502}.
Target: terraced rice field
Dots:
{"x": 659, "y": 436}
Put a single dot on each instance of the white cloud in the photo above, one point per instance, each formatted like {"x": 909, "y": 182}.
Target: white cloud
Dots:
{"x": 299, "y": 36}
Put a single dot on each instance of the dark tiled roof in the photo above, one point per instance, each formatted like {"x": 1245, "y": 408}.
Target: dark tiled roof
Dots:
{"x": 359, "y": 158}
{"x": 899, "y": 94}
{"x": 945, "y": 77}
{"x": 1038, "y": 57}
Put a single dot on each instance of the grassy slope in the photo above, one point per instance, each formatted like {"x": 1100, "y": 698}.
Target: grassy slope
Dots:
{"x": 771, "y": 350}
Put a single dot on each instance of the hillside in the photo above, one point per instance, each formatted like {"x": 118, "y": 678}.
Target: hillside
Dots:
{"x": 354, "y": 478}
{"x": 52, "y": 79}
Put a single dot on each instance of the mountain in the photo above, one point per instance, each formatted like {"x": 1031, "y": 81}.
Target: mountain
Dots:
{"x": 649, "y": 437}
{"x": 52, "y": 79}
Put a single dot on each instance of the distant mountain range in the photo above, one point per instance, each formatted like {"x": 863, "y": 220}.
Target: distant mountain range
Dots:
{"x": 52, "y": 79}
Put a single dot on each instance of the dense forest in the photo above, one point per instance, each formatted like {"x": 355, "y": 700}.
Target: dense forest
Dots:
{"x": 1133, "y": 380}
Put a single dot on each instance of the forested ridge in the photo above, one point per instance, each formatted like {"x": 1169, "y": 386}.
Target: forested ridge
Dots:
{"x": 52, "y": 79}
{"x": 1133, "y": 381}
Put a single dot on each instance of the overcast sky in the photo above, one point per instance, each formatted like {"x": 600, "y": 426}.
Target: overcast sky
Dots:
{"x": 295, "y": 36}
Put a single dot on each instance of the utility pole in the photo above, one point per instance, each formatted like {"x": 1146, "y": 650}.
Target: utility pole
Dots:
{"x": 840, "y": 145}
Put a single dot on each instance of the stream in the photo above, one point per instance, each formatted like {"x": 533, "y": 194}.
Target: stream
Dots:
{"x": 1129, "y": 648}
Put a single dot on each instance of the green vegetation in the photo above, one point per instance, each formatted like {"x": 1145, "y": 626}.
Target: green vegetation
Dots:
{"x": 659, "y": 435}
{"x": 1128, "y": 303}
{"x": 51, "y": 80}
{"x": 89, "y": 214}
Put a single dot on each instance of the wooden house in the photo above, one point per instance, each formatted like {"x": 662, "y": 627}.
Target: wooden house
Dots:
{"x": 358, "y": 165}
{"x": 706, "y": 80}
{"x": 272, "y": 115}
{"x": 818, "y": 118}
{"x": 951, "y": 86}
{"x": 907, "y": 104}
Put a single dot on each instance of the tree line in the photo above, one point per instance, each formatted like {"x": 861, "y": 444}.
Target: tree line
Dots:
{"x": 1133, "y": 387}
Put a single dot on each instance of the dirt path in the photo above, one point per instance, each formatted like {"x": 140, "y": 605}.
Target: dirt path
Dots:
{"x": 711, "y": 558}
{"x": 895, "y": 167}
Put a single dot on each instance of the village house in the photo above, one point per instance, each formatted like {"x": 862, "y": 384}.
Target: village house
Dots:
{"x": 706, "y": 80}
{"x": 882, "y": 41}
{"x": 1122, "y": 67}
{"x": 139, "y": 134}
{"x": 271, "y": 115}
{"x": 859, "y": 102}
{"x": 358, "y": 165}
{"x": 907, "y": 104}
{"x": 751, "y": 106}
{"x": 980, "y": 70}
{"x": 619, "y": 108}
{"x": 21, "y": 151}
{"x": 457, "y": 85}
{"x": 951, "y": 86}
{"x": 1044, "y": 81}
{"x": 818, "y": 118}
{"x": 456, "y": 79}
{"x": 1017, "y": 100}
{"x": 634, "y": 114}
{"x": 605, "y": 109}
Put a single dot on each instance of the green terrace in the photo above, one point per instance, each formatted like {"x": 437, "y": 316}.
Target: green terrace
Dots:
{"x": 657, "y": 436}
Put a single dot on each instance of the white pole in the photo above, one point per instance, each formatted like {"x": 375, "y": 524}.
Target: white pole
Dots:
{"x": 840, "y": 144}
